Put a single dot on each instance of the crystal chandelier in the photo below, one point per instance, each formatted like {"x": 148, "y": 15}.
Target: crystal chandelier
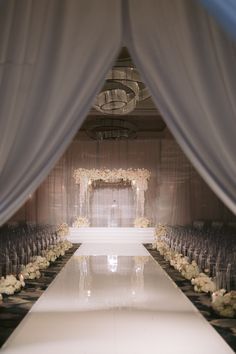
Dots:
{"x": 122, "y": 90}
{"x": 111, "y": 129}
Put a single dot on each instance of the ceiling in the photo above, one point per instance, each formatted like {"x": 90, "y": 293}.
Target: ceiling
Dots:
{"x": 145, "y": 117}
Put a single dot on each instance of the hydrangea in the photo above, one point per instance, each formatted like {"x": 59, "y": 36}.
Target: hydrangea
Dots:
{"x": 224, "y": 303}
{"x": 203, "y": 283}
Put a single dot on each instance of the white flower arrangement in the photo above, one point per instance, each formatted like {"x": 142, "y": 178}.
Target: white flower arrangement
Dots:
{"x": 190, "y": 270}
{"x": 57, "y": 250}
{"x": 63, "y": 229}
{"x": 50, "y": 255}
{"x": 42, "y": 262}
{"x": 31, "y": 271}
{"x": 141, "y": 222}
{"x": 138, "y": 176}
{"x": 178, "y": 261}
{"x": 66, "y": 245}
{"x": 10, "y": 284}
{"x": 203, "y": 283}
{"x": 81, "y": 221}
{"x": 161, "y": 231}
{"x": 224, "y": 303}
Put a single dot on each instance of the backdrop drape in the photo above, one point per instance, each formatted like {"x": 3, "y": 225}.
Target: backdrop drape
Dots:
{"x": 176, "y": 193}
{"x": 188, "y": 64}
{"x": 54, "y": 56}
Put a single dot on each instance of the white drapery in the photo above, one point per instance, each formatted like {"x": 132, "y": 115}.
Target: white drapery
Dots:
{"x": 224, "y": 11}
{"x": 54, "y": 56}
{"x": 188, "y": 63}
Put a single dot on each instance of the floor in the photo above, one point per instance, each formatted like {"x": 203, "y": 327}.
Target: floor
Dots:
{"x": 14, "y": 308}
{"x": 114, "y": 299}
{"x": 226, "y": 327}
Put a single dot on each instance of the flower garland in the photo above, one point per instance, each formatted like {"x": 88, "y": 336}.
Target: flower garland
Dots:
{"x": 178, "y": 261}
{"x": 138, "y": 176}
{"x": 30, "y": 271}
{"x": 203, "y": 283}
{"x": 81, "y": 221}
{"x": 161, "y": 230}
{"x": 224, "y": 303}
{"x": 10, "y": 284}
{"x": 53, "y": 252}
{"x": 141, "y": 222}
{"x": 42, "y": 262}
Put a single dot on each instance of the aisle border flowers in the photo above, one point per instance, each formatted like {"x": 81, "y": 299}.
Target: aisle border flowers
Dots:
{"x": 12, "y": 284}
{"x": 222, "y": 302}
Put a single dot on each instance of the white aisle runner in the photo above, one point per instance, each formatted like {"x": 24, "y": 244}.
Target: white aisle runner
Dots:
{"x": 113, "y": 299}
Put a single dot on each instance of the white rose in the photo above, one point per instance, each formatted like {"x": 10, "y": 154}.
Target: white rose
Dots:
{"x": 9, "y": 290}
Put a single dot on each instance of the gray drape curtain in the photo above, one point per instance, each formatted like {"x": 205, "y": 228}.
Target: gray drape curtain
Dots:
{"x": 224, "y": 11}
{"x": 54, "y": 56}
{"x": 53, "y": 59}
{"x": 188, "y": 63}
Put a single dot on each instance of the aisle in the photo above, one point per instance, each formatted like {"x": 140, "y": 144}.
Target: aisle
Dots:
{"x": 114, "y": 299}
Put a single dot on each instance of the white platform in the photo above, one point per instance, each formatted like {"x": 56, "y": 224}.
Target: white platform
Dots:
{"x": 120, "y": 301}
{"x": 111, "y": 234}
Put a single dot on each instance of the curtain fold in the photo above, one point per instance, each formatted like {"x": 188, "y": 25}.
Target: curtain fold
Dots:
{"x": 224, "y": 11}
{"x": 188, "y": 64}
{"x": 50, "y": 72}
{"x": 54, "y": 56}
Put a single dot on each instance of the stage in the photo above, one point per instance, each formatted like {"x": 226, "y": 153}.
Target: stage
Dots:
{"x": 111, "y": 235}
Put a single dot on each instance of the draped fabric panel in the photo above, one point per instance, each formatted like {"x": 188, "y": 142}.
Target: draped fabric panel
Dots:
{"x": 176, "y": 193}
{"x": 53, "y": 59}
{"x": 49, "y": 75}
{"x": 188, "y": 63}
{"x": 224, "y": 11}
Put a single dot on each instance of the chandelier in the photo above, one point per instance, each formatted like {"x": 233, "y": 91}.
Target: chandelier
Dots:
{"x": 111, "y": 129}
{"x": 122, "y": 90}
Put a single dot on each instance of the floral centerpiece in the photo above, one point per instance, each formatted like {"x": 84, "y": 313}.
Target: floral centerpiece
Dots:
{"x": 224, "y": 303}
{"x": 10, "y": 284}
{"x": 189, "y": 270}
{"x": 161, "y": 231}
{"x": 55, "y": 251}
{"x": 177, "y": 260}
{"x": 31, "y": 271}
{"x": 141, "y": 222}
{"x": 203, "y": 283}
{"x": 63, "y": 229}
{"x": 42, "y": 262}
{"x": 81, "y": 221}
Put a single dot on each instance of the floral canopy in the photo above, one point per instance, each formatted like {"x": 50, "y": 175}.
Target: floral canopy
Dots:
{"x": 138, "y": 179}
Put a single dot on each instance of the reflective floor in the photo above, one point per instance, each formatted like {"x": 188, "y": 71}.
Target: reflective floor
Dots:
{"x": 113, "y": 298}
